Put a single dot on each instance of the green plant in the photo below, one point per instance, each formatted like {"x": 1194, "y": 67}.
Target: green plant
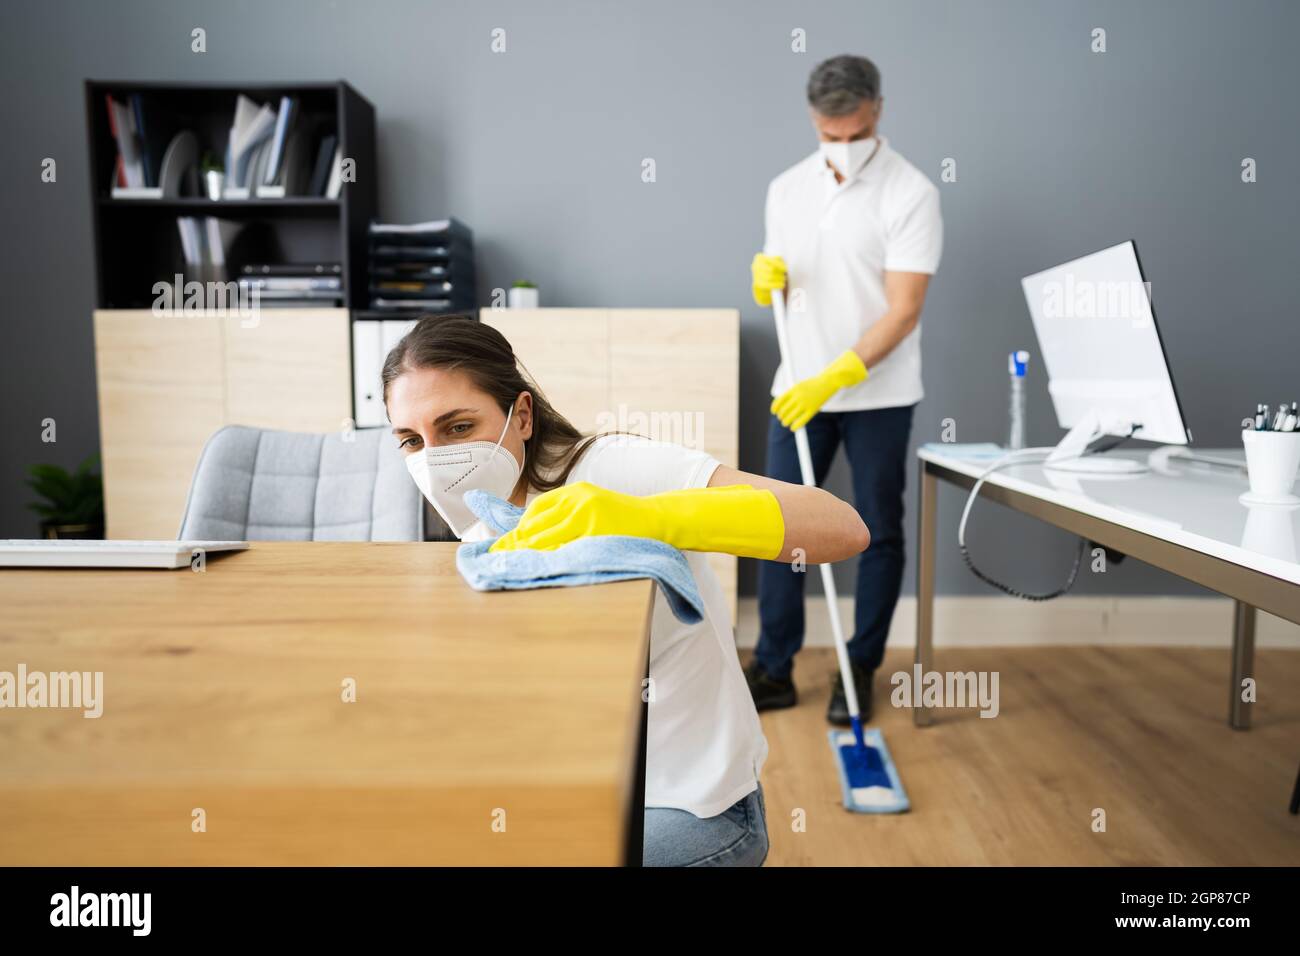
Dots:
{"x": 209, "y": 163}
{"x": 71, "y": 498}
{"x": 524, "y": 284}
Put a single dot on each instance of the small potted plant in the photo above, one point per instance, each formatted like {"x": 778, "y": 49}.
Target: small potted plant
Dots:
{"x": 214, "y": 176}
{"x": 524, "y": 295}
{"x": 73, "y": 502}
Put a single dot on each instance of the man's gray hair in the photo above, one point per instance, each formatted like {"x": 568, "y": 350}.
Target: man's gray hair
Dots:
{"x": 840, "y": 84}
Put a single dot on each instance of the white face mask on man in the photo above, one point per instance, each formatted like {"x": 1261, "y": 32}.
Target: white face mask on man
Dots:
{"x": 444, "y": 473}
{"x": 849, "y": 158}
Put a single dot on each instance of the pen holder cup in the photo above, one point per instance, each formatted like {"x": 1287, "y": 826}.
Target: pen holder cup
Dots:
{"x": 1272, "y": 459}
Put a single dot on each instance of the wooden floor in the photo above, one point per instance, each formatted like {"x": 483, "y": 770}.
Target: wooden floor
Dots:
{"x": 1138, "y": 732}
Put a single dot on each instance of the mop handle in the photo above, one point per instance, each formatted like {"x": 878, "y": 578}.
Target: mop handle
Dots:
{"x": 809, "y": 479}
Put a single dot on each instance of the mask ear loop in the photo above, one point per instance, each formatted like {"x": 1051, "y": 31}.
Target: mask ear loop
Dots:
{"x": 500, "y": 440}
{"x": 506, "y": 426}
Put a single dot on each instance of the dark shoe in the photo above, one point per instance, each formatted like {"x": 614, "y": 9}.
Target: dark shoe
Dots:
{"x": 838, "y": 711}
{"x": 769, "y": 693}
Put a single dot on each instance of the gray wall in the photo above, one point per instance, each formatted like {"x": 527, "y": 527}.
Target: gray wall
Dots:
{"x": 1059, "y": 152}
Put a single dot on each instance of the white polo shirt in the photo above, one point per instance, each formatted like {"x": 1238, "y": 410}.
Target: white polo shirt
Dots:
{"x": 838, "y": 240}
{"x": 704, "y": 744}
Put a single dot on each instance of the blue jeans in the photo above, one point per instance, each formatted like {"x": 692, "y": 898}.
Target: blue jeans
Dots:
{"x": 875, "y": 442}
{"x": 735, "y": 837}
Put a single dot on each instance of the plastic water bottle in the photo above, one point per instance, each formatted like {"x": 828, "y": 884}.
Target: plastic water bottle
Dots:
{"x": 1018, "y": 365}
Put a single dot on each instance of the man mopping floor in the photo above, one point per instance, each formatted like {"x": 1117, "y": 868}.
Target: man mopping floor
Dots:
{"x": 853, "y": 234}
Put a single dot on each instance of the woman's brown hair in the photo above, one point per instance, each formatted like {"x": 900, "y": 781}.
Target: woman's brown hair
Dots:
{"x": 462, "y": 343}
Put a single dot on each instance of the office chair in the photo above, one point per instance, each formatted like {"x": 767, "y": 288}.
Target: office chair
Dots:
{"x": 254, "y": 484}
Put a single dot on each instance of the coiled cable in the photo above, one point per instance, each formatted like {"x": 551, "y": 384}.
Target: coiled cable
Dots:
{"x": 1019, "y": 457}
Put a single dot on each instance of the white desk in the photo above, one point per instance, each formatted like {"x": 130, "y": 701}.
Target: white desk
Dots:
{"x": 1184, "y": 518}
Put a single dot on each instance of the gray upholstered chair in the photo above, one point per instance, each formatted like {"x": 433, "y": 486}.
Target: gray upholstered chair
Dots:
{"x": 253, "y": 484}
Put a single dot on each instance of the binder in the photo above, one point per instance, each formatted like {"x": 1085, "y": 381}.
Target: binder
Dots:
{"x": 394, "y": 331}
{"x": 372, "y": 340}
{"x": 367, "y": 342}
{"x": 288, "y": 108}
{"x": 122, "y": 124}
{"x": 335, "y": 185}
{"x": 324, "y": 158}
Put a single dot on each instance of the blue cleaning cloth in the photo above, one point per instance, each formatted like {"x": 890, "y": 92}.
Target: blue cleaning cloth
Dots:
{"x": 592, "y": 560}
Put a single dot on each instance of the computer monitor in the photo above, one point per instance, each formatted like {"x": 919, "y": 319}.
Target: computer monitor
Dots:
{"x": 1106, "y": 366}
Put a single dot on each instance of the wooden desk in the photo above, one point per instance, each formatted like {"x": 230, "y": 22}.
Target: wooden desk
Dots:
{"x": 223, "y": 691}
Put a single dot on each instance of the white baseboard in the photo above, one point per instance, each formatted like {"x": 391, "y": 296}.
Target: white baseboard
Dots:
{"x": 1000, "y": 621}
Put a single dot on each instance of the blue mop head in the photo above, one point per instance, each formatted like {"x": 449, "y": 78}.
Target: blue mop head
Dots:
{"x": 868, "y": 776}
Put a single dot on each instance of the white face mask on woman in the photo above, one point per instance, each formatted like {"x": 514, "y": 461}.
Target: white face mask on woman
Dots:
{"x": 444, "y": 473}
{"x": 849, "y": 158}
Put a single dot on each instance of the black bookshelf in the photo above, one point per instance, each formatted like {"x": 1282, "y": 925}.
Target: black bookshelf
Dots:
{"x": 136, "y": 242}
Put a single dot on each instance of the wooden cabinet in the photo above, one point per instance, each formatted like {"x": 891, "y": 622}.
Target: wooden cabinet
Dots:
{"x": 292, "y": 372}
{"x": 669, "y": 374}
{"x": 167, "y": 383}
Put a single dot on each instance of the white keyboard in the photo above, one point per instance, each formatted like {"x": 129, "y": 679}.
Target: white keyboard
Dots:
{"x": 43, "y": 553}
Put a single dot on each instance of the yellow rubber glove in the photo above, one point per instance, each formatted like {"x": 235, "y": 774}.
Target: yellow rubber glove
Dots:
{"x": 732, "y": 519}
{"x": 769, "y": 274}
{"x": 799, "y": 403}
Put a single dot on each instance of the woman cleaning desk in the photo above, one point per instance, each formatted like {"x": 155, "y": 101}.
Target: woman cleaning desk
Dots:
{"x": 468, "y": 419}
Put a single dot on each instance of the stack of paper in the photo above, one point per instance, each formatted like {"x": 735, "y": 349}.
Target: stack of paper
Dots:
{"x": 422, "y": 267}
